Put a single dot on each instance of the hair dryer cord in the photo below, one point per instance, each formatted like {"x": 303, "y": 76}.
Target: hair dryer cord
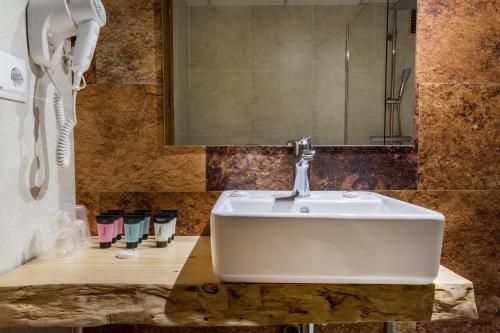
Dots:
{"x": 64, "y": 126}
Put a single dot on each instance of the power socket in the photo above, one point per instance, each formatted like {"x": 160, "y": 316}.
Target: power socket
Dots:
{"x": 13, "y": 78}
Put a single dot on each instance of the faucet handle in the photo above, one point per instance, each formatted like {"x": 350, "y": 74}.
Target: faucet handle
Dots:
{"x": 308, "y": 155}
{"x": 304, "y": 143}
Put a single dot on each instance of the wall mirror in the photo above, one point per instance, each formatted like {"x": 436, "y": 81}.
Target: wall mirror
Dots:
{"x": 263, "y": 72}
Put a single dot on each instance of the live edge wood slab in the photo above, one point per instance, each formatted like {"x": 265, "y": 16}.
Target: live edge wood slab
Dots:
{"x": 176, "y": 286}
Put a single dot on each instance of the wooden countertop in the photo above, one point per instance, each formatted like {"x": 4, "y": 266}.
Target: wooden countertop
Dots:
{"x": 176, "y": 286}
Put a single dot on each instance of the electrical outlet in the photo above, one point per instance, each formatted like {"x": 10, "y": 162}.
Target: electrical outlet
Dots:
{"x": 13, "y": 78}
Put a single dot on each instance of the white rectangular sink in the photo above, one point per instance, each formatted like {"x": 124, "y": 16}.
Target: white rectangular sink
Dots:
{"x": 329, "y": 237}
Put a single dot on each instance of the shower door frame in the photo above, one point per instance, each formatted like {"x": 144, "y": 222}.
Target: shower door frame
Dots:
{"x": 168, "y": 72}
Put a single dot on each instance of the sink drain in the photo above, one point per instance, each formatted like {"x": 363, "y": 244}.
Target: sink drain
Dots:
{"x": 304, "y": 209}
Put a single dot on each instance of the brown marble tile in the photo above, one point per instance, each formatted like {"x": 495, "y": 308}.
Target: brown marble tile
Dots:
{"x": 407, "y": 326}
{"x": 416, "y": 117}
{"x": 249, "y": 168}
{"x": 139, "y": 172}
{"x": 471, "y": 240}
{"x": 350, "y": 328}
{"x": 119, "y": 119}
{"x": 459, "y": 141}
{"x": 129, "y": 50}
{"x": 90, "y": 75}
{"x": 182, "y": 150}
{"x": 331, "y": 328}
{"x": 91, "y": 202}
{"x": 458, "y": 41}
{"x": 271, "y": 168}
{"x": 364, "y": 168}
{"x": 153, "y": 329}
{"x": 194, "y": 208}
{"x": 476, "y": 326}
{"x": 119, "y": 144}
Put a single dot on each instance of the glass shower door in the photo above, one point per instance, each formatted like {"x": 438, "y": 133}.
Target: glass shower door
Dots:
{"x": 366, "y": 74}
{"x": 380, "y": 67}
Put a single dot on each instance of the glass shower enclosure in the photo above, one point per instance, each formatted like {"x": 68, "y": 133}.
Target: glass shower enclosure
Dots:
{"x": 380, "y": 74}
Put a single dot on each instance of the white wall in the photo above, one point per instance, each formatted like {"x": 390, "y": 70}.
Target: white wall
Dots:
{"x": 32, "y": 188}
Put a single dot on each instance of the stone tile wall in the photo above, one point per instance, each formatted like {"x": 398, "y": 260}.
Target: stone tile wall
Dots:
{"x": 121, "y": 161}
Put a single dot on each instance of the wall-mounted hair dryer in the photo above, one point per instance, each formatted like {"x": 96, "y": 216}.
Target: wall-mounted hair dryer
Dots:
{"x": 50, "y": 23}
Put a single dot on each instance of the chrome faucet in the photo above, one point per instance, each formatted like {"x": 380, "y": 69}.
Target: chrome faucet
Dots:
{"x": 301, "y": 183}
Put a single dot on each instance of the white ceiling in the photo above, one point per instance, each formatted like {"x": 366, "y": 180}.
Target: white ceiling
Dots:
{"x": 272, "y": 2}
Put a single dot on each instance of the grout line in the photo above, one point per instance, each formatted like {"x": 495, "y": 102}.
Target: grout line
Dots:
{"x": 189, "y": 72}
{"x": 440, "y": 191}
{"x": 335, "y": 190}
{"x": 416, "y": 129}
{"x": 456, "y": 84}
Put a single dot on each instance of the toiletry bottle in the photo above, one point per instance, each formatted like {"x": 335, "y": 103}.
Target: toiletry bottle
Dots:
{"x": 132, "y": 224}
{"x": 119, "y": 214}
{"x": 142, "y": 221}
{"x": 170, "y": 225}
{"x": 105, "y": 231}
{"x": 147, "y": 221}
{"x": 172, "y": 213}
{"x": 162, "y": 229}
{"x": 115, "y": 225}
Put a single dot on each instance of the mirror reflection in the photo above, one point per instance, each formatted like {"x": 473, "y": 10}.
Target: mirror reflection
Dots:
{"x": 251, "y": 72}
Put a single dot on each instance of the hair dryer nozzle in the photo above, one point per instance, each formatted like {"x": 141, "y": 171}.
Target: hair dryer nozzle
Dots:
{"x": 86, "y": 41}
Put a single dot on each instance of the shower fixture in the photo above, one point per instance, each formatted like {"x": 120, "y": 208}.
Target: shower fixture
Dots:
{"x": 404, "y": 78}
{"x": 395, "y": 104}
